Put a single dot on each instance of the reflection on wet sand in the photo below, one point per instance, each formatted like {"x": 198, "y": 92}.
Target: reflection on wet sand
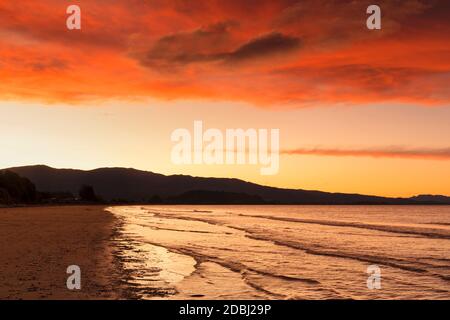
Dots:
{"x": 285, "y": 252}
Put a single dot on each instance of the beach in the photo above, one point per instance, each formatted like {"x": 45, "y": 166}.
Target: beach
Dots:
{"x": 37, "y": 244}
{"x": 226, "y": 252}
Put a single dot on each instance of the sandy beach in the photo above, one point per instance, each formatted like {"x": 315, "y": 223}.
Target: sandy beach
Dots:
{"x": 37, "y": 244}
{"x": 225, "y": 252}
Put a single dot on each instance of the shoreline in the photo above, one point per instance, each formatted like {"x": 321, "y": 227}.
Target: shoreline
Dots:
{"x": 39, "y": 243}
{"x": 107, "y": 204}
{"x": 236, "y": 254}
{"x": 135, "y": 253}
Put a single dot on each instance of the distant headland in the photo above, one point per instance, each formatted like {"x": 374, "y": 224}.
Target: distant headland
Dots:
{"x": 43, "y": 184}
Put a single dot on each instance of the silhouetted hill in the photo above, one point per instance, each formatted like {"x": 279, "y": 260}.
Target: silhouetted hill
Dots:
{"x": 136, "y": 185}
{"x": 431, "y": 198}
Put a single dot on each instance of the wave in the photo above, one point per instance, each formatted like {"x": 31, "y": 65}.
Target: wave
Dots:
{"x": 429, "y": 233}
{"x": 265, "y": 278}
{"x": 407, "y": 265}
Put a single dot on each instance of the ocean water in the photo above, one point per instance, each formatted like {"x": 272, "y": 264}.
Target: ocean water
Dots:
{"x": 286, "y": 252}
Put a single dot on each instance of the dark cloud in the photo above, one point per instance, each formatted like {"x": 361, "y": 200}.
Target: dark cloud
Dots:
{"x": 209, "y": 45}
{"x": 187, "y": 47}
{"x": 267, "y": 45}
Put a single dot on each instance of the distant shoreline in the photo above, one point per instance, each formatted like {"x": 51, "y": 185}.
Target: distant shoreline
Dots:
{"x": 213, "y": 204}
{"x": 130, "y": 186}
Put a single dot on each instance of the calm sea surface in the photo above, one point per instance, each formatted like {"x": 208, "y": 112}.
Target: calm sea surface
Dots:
{"x": 286, "y": 252}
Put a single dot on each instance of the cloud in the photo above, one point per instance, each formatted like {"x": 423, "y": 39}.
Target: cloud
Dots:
{"x": 268, "y": 53}
{"x": 204, "y": 44}
{"x": 52, "y": 64}
{"x": 431, "y": 154}
{"x": 266, "y": 45}
{"x": 208, "y": 44}
{"x": 365, "y": 83}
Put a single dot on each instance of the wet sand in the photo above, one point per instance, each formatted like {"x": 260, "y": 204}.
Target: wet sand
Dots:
{"x": 225, "y": 252}
{"x": 37, "y": 244}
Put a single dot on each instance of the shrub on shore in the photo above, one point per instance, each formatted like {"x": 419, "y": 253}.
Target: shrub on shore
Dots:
{"x": 16, "y": 189}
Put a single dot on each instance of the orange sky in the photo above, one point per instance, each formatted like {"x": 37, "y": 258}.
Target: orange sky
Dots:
{"x": 359, "y": 110}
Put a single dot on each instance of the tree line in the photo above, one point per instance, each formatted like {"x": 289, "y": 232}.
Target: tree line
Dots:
{"x": 15, "y": 189}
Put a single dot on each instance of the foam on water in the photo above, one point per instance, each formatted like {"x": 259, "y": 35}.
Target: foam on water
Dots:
{"x": 287, "y": 252}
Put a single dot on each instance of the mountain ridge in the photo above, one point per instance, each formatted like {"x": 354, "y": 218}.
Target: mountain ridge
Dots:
{"x": 139, "y": 186}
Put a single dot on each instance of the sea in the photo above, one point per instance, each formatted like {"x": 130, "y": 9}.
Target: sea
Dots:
{"x": 285, "y": 252}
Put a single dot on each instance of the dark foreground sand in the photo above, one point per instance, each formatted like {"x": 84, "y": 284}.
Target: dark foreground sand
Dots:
{"x": 37, "y": 244}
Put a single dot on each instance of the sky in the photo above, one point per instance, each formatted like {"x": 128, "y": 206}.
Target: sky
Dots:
{"x": 364, "y": 111}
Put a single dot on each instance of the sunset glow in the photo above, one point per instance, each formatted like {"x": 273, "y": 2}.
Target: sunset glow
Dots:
{"x": 361, "y": 111}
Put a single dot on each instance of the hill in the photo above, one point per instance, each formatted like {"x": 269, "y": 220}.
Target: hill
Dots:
{"x": 140, "y": 186}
